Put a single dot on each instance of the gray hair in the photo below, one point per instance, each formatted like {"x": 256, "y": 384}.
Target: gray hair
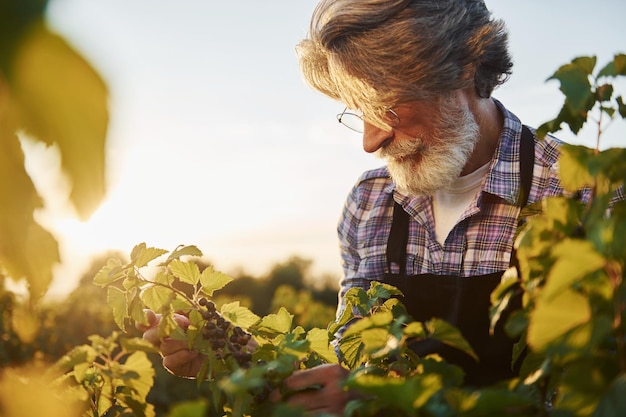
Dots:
{"x": 374, "y": 54}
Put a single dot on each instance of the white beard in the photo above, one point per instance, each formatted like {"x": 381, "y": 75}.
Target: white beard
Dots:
{"x": 424, "y": 165}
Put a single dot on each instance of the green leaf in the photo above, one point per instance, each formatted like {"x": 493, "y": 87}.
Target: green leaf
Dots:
{"x": 615, "y": 67}
{"x": 573, "y": 167}
{"x": 574, "y": 79}
{"x": 138, "y": 344}
{"x": 554, "y": 316}
{"x": 109, "y": 273}
{"x": 414, "y": 329}
{"x": 155, "y": 298}
{"x": 351, "y": 350}
{"x": 183, "y": 251}
{"x": 238, "y": 315}
{"x": 443, "y": 331}
{"x": 139, "y": 364}
{"x": 196, "y": 408}
{"x": 621, "y": 107}
{"x": 380, "y": 290}
{"x": 490, "y": 401}
{"x": 613, "y": 403}
{"x": 575, "y": 259}
{"x": 63, "y": 100}
{"x": 212, "y": 280}
{"x": 116, "y": 299}
{"x": 27, "y": 250}
{"x": 320, "y": 343}
{"x": 142, "y": 255}
{"x": 604, "y": 92}
{"x": 358, "y": 298}
{"x": 403, "y": 394}
{"x": 374, "y": 339}
{"x": 379, "y": 319}
{"x": 280, "y": 322}
{"x": 187, "y": 272}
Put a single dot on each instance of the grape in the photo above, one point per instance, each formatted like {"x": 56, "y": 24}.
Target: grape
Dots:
{"x": 224, "y": 338}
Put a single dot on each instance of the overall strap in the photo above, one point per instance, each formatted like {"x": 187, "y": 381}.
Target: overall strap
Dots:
{"x": 399, "y": 234}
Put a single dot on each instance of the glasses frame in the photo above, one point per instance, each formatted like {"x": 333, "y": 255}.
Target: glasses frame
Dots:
{"x": 393, "y": 119}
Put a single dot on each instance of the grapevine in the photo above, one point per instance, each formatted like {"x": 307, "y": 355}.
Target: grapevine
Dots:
{"x": 246, "y": 356}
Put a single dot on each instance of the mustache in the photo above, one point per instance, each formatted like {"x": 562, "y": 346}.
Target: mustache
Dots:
{"x": 402, "y": 149}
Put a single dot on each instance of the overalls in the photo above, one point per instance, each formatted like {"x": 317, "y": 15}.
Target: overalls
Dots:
{"x": 462, "y": 301}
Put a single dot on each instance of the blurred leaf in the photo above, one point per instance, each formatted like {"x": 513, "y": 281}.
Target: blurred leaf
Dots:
{"x": 26, "y": 392}
{"x": 62, "y": 100}
{"x": 575, "y": 259}
{"x": 554, "y": 316}
{"x": 139, "y": 363}
{"x": 615, "y": 67}
{"x": 621, "y": 107}
{"x": 490, "y": 401}
{"x": 116, "y": 298}
{"x": 573, "y": 167}
{"x": 443, "y": 331}
{"x": 613, "y": 403}
{"x": 25, "y": 322}
{"x": 196, "y": 408}
{"x": 604, "y": 92}
{"x": 27, "y": 250}
{"x": 138, "y": 344}
{"x": 187, "y": 272}
{"x": 399, "y": 393}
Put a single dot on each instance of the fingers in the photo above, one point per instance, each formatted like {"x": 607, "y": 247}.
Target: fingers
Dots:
{"x": 152, "y": 320}
{"x": 184, "y": 362}
{"x": 317, "y": 390}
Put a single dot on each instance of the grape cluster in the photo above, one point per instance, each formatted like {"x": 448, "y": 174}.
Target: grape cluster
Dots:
{"x": 225, "y": 338}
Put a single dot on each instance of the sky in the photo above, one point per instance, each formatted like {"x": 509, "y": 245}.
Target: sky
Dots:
{"x": 216, "y": 141}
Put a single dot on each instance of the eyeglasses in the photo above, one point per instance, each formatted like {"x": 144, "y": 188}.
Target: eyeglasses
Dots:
{"x": 354, "y": 121}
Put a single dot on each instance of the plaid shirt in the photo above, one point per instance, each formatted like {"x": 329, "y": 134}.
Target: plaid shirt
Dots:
{"x": 482, "y": 239}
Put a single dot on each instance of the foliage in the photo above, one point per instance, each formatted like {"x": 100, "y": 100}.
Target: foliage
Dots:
{"x": 50, "y": 96}
{"x": 113, "y": 375}
{"x": 572, "y": 258}
{"x": 236, "y": 388}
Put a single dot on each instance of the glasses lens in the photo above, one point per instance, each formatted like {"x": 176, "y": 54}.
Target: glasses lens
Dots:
{"x": 392, "y": 118}
{"x": 351, "y": 121}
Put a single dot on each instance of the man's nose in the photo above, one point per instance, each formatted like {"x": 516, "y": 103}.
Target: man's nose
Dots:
{"x": 375, "y": 138}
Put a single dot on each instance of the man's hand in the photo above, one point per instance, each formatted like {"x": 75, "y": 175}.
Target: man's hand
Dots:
{"x": 318, "y": 390}
{"x": 177, "y": 357}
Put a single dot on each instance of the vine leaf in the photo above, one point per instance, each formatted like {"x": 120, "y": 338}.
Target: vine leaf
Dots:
{"x": 446, "y": 333}
{"x": 320, "y": 343}
{"x": 554, "y": 316}
{"x": 141, "y": 255}
{"x": 238, "y": 315}
{"x": 280, "y": 322}
{"x": 187, "y": 272}
{"x": 116, "y": 298}
{"x": 212, "y": 280}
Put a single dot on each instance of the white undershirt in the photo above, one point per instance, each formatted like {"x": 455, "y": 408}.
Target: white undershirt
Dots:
{"x": 450, "y": 203}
